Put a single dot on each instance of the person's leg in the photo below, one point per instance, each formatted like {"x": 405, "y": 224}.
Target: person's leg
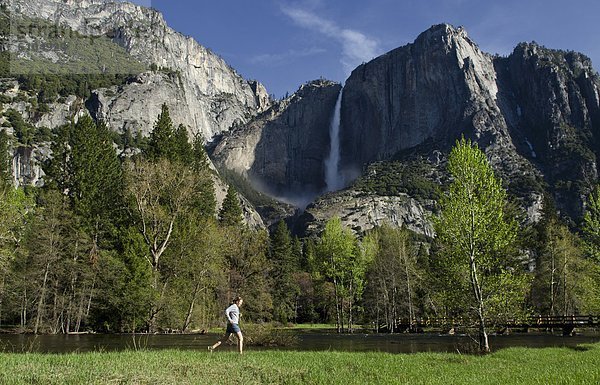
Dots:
{"x": 240, "y": 341}
{"x": 219, "y": 342}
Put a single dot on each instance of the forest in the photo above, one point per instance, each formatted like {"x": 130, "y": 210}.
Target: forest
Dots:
{"x": 133, "y": 241}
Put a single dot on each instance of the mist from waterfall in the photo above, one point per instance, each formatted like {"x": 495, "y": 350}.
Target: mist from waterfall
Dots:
{"x": 333, "y": 178}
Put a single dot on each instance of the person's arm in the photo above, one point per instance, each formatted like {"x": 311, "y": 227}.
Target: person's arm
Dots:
{"x": 227, "y": 314}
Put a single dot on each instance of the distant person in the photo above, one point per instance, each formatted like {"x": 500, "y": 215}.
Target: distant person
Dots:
{"x": 233, "y": 319}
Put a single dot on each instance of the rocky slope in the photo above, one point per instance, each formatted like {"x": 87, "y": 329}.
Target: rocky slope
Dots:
{"x": 361, "y": 212}
{"x": 210, "y": 95}
{"x": 553, "y": 107}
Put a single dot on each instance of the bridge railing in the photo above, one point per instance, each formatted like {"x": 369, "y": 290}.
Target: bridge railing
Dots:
{"x": 531, "y": 321}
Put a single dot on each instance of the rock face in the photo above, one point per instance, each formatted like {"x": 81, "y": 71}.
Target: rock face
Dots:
{"x": 426, "y": 90}
{"x": 361, "y": 212}
{"x": 555, "y": 111}
{"x": 134, "y": 107}
{"x": 442, "y": 86}
{"x": 211, "y": 95}
{"x": 283, "y": 151}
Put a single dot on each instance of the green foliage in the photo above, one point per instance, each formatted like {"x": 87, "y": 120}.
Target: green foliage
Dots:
{"x": 86, "y": 166}
{"x": 231, "y": 213}
{"x": 166, "y": 142}
{"x": 591, "y": 226}
{"x": 241, "y": 184}
{"x": 15, "y": 211}
{"x": 91, "y": 62}
{"x": 77, "y": 54}
{"x": 183, "y": 149}
{"x": 477, "y": 260}
{"x": 343, "y": 262}
{"x": 24, "y": 132}
{"x": 394, "y": 178}
{"x": 49, "y": 87}
{"x": 246, "y": 253}
{"x": 161, "y": 143}
{"x": 394, "y": 277}
{"x": 60, "y": 255}
{"x": 195, "y": 264}
{"x": 565, "y": 281}
{"x": 5, "y": 159}
{"x": 200, "y": 159}
{"x": 97, "y": 176}
{"x": 285, "y": 287}
{"x": 163, "y": 205}
{"x": 126, "y": 285}
{"x": 574, "y": 145}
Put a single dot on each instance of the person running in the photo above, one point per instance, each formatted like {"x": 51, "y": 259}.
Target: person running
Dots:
{"x": 233, "y": 319}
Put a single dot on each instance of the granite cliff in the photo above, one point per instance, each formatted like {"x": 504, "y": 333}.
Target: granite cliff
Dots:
{"x": 282, "y": 152}
{"x": 423, "y": 96}
{"x": 203, "y": 91}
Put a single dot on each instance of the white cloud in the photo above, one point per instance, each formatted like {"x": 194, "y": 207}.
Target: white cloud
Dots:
{"x": 356, "y": 46}
{"x": 277, "y": 59}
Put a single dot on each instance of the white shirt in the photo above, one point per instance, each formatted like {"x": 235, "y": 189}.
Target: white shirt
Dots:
{"x": 233, "y": 314}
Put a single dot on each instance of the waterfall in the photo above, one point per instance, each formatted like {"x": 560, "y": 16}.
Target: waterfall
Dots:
{"x": 333, "y": 179}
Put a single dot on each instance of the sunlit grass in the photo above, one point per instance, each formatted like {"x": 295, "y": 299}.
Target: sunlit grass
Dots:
{"x": 507, "y": 366}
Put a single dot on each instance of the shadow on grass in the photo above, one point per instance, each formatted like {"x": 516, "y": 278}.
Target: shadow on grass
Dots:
{"x": 580, "y": 348}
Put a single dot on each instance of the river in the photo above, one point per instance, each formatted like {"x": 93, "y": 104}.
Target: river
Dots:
{"x": 306, "y": 341}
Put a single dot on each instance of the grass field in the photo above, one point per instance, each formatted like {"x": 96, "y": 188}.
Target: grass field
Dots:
{"x": 507, "y": 366}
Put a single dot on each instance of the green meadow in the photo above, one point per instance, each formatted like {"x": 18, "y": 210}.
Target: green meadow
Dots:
{"x": 507, "y": 366}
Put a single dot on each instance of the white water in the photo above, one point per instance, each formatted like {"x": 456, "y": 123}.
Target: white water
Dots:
{"x": 333, "y": 179}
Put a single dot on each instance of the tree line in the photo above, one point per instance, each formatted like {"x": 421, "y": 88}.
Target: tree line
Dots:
{"x": 137, "y": 243}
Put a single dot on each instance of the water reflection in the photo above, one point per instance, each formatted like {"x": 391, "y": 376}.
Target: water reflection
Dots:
{"x": 307, "y": 340}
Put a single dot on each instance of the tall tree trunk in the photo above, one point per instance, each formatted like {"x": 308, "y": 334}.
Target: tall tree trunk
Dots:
{"x": 394, "y": 309}
{"x": 2, "y": 296}
{"x": 350, "y": 303}
{"x": 80, "y": 311}
{"x": 483, "y": 337}
{"x": 552, "y": 283}
{"x": 409, "y": 295}
{"x": 484, "y": 345}
{"x": 188, "y": 317}
{"x": 24, "y": 309}
{"x": 337, "y": 306}
{"x": 38, "y": 316}
{"x": 89, "y": 304}
{"x": 564, "y": 279}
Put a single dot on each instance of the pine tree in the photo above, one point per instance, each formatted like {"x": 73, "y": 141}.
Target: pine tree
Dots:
{"x": 285, "y": 289}
{"x": 95, "y": 182}
{"x": 161, "y": 143}
{"x": 182, "y": 151}
{"x": 200, "y": 160}
{"x": 231, "y": 212}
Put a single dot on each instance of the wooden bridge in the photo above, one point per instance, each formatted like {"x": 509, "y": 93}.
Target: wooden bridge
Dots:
{"x": 566, "y": 323}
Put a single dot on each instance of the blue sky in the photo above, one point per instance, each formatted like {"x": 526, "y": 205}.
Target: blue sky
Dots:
{"x": 284, "y": 43}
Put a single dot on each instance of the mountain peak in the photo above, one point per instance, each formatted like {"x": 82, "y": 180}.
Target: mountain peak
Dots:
{"x": 444, "y": 35}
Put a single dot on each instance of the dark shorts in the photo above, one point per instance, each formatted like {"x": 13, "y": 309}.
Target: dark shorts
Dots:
{"x": 233, "y": 328}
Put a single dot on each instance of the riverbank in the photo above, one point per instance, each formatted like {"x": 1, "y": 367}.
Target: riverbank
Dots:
{"x": 579, "y": 365}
